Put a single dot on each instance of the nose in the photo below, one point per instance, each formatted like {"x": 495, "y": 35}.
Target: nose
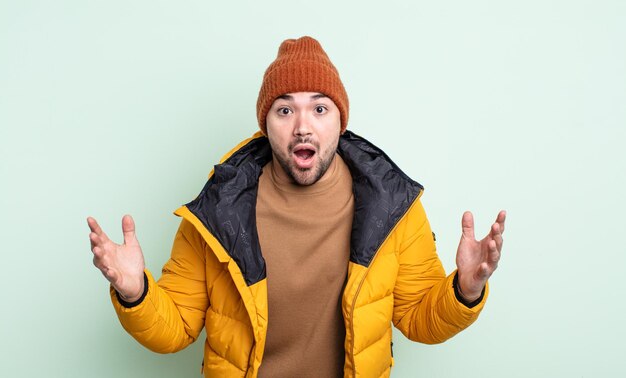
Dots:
{"x": 302, "y": 125}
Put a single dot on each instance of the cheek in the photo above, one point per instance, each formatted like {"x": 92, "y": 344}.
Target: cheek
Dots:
{"x": 331, "y": 139}
{"x": 272, "y": 132}
{"x": 277, "y": 142}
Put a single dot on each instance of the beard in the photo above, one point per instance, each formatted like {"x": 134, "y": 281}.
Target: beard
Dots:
{"x": 306, "y": 176}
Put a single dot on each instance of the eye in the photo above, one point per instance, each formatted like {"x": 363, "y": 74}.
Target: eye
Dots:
{"x": 321, "y": 109}
{"x": 284, "y": 111}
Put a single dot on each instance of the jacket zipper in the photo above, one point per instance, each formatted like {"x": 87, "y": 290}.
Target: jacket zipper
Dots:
{"x": 358, "y": 290}
{"x": 356, "y": 295}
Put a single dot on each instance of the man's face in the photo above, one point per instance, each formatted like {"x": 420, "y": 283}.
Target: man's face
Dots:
{"x": 303, "y": 129}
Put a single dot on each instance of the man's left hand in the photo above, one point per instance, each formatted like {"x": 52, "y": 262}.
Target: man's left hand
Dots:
{"x": 477, "y": 260}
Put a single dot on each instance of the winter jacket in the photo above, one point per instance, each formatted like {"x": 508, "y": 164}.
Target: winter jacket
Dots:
{"x": 216, "y": 278}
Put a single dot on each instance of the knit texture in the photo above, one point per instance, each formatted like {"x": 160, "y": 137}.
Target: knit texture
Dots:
{"x": 301, "y": 66}
{"x": 304, "y": 233}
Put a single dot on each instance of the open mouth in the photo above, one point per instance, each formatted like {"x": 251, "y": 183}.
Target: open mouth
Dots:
{"x": 303, "y": 156}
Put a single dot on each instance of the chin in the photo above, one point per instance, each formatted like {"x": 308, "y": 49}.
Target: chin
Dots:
{"x": 305, "y": 177}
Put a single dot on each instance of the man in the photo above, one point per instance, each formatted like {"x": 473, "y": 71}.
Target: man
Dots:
{"x": 303, "y": 247}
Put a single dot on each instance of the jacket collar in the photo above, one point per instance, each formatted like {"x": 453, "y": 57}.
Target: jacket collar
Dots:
{"x": 227, "y": 203}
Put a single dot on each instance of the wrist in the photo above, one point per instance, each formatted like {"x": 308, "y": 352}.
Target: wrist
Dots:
{"x": 130, "y": 298}
{"x": 133, "y": 295}
{"x": 464, "y": 298}
{"x": 467, "y": 297}
{"x": 133, "y": 301}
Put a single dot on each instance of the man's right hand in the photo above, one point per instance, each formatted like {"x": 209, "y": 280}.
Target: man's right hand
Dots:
{"x": 121, "y": 264}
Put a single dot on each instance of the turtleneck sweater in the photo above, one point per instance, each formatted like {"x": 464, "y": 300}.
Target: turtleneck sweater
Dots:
{"x": 304, "y": 232}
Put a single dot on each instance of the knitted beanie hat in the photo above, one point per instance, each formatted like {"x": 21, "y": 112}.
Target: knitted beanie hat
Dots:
{"x": 301, "y": 66}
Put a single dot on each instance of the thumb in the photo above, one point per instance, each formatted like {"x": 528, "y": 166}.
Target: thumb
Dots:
{"x": 467, "y": 224}
{"x": 128, "y": 228}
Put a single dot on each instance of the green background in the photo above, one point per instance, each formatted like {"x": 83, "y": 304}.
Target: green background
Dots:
{"x": 115, "y": 107}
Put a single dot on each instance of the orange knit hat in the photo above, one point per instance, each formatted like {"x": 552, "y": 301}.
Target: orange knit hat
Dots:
{"x": 301, "y": 66}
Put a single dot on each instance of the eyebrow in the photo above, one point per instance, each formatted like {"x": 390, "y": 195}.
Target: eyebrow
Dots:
{"x": 316, "y": 96}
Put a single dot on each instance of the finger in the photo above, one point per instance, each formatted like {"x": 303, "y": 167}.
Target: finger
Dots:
{"x": 98, "y": 258}
{"x": 494, "y": 255}
{"x": 95, "y": 227}
{"x": 94, "y": 239}
{"x": 467, "y": 225}
{"x": 100, "y": 241}
{"x": 500, "y": 219}
{"x": 110, "y": 275}
{"x": 484, "y": 272}
{"x": 128, "y": 228}
{"x": 496, "y": 235}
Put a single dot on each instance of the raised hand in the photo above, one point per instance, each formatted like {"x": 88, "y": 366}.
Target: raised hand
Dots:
{"x": 477, "y": 260}
{"x": 121, "y": 264}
